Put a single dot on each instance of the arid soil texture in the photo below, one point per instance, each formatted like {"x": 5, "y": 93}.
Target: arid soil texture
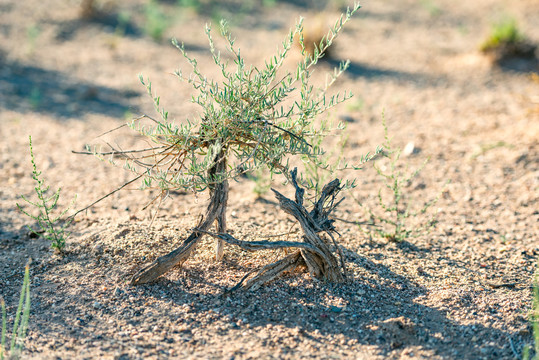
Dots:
{"x": 462, "y": 290}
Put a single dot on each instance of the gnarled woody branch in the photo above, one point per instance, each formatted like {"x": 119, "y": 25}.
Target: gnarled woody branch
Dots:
{"x": 314, "y": 252}
{"x": 215, "y": 212}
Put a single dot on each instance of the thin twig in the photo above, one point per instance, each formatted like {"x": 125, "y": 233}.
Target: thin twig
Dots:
{"x": 283, "y": 234}
{"x": 114, "y": 152}
{"x": 355, "y": 222}
{"x": 341, "y": 255}
{"x": 259, "y": 245}
{"x": 114, "y": 191}
{"x": 107, "y": 132}
{"x": 105, "y": 196}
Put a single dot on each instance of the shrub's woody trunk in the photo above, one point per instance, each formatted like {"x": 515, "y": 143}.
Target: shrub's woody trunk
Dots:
{"x": 216, "y": 211}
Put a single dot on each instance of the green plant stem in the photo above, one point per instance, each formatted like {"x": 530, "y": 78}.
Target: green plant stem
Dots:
{"x": 45, "y": 205}
{"x": 22, "y": 316}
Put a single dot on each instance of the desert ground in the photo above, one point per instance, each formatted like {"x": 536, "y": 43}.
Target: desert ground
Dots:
{"x": 462, "y": 290}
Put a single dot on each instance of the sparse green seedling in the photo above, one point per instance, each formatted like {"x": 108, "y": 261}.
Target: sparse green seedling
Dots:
{"x": 318, "y": 172}
{"x": 503, "y": 33}
{"x": 395, "y": 208}
{"x": 20, "y": 325}
{"x": 49, "y": 225}
{"x": 252, "y": 118}
{"x": 484, "y": 148}
{"x": 506, "y": 42}
{"x": 526, "y": 352}
{"x": 157, "y": 21}
{"x": 356, "y": 105}
{"x": 433, "y": 9}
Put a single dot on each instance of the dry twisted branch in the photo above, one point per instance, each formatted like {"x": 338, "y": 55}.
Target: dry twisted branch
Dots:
{"x": 314, "y": 250}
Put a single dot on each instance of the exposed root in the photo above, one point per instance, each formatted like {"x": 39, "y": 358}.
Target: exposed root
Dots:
{"x": 315, "y": 251}
{"x": 215, "y": 212}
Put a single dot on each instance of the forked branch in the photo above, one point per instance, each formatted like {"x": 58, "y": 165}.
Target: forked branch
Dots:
{"x": 314, "y": 251}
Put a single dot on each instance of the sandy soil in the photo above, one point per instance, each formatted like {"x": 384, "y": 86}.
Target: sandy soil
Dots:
{"x": 462, "y": 291}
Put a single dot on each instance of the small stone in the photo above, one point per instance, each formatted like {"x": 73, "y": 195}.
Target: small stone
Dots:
{"x": 409, "y": 149}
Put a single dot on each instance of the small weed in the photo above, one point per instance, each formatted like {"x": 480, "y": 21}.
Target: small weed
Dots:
{"x": 393, "y": 222}
{"x": 156, "y": 21}
{"x": 317, "y": 175}
{"x": 357, "y": 105}
{"x": 484, "y": 148}
{"x": 503, "y": 33}
{"x": 535, "y": 325}
{"x": 20, "y": 324}
{"x": 48, "y": 223}
{"x": 432, "y": 8}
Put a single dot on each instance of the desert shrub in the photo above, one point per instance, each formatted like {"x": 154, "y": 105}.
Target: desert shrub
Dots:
{"x": 254, "y": 117}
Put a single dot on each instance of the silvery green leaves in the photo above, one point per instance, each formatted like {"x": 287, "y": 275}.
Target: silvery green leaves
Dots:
{"x": 254, "y": 116}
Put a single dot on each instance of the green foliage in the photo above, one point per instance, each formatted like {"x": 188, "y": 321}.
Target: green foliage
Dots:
{"x": 431, "y": 6}
{"x": 20, "y": 325}
{"x": 252, "y": 118}
{"x": 503, "y": 33}
{"x": 356, "y": 105}
{"x": 484, "y": 148}
{"x": 395, "y": 210}
{"x": 156, "y": 20}
{"x": 194, "y": 4}
{"x": 49, "y": 224}
{"x": 535, "y": 324}
{"x": 318, "y": 173}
